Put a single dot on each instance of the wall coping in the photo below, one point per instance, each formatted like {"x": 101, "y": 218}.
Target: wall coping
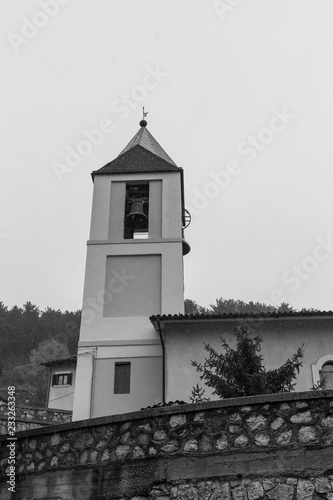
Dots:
{"x": 37, "y": 408}
{"x": 20, "y": 420}
{"x": 171, "y": 410}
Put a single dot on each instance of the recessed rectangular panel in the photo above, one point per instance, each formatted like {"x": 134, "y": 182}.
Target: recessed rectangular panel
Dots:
{"x": 155, "y": 203}
{"x": 132, "y": 285}
{"x": 117, "y": 203}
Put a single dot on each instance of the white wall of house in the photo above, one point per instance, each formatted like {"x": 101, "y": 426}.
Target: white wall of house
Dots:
{"x": 184, "y": 341}
{"x": 61, "y": 396}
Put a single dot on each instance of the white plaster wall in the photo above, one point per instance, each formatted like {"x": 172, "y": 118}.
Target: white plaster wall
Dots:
{"x": 281, "y": 338}
{"x": 145, "y": 386}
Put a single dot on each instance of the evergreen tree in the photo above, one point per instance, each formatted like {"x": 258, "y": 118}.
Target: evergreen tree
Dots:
{"x": 240, "y": 372}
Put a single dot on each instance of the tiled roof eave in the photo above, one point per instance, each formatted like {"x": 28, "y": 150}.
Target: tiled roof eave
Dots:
{"x": 70, "y": 360}
{"x": 178, "y": 318}
{"x": 137, "y": 160}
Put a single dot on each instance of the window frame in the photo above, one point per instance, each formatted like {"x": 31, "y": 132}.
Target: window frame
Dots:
{"x": 117, "y": 382}
{"x": 317, "y": 367}
{"x": 62, "y": 374}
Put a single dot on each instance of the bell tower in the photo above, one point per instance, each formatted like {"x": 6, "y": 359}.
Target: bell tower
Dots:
{"x": 134, "y": 269}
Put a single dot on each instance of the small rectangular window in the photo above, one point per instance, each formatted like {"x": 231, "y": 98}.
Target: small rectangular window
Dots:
{"x": 62, "y": 379}
{"x": 122, "y": 378}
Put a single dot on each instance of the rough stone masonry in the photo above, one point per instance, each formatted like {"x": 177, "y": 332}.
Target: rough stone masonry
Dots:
{"x": 275, "y": 447}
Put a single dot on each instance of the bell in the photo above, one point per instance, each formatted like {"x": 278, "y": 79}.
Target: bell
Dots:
{"x": 137, "y": 215}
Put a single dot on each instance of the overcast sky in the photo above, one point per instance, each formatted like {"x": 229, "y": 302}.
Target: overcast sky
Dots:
{"x": 239, "y": 95}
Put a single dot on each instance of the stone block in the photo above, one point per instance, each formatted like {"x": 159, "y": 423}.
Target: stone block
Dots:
{"x": 301, "y": 418}
{"x": 160, "y": 435}
{"x": 221, "y": 492}
{"x": 138, "y": 452}
{"x": 281, "y": 492}
{"x": 55, "y": 439}
{"x": 222, "y": 442}
{"x": 277, "y": 424}
{"x": 255, "y": 491}
{"x": 307, "y": 434}
{"x": 305, "y": 489}
{"x": 170, "y": 447}
{"x": 262, "y": 439}
{"x": 322, "y": 485}
{"x": 239, "y": 493}
{"x": 241, "y": 441}
{"x": 191, "y": 446}
{"x": 327, "y": 422}
{"x": 256, "y": 422}
{"x": 177, "y": 421}
{"x": 284, "y": 438}
{"x": 122, "y": 451}
{"x": 234, "y": 429}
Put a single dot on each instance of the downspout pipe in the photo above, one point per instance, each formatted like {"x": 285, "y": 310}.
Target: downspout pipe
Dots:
{"x": 163, "y": 362}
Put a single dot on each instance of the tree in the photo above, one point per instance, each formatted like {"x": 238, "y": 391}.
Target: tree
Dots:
{"x": 46, "y": 351}
{"x": 232, "y": 306}
{"x": 241, "y": 372}
{"x": 191, "y": 307}
{"x": 36, "y": 375}
{"x": 23, "y": 329}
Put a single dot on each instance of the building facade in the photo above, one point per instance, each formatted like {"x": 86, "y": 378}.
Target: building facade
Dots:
{"x": 136, "y": 345}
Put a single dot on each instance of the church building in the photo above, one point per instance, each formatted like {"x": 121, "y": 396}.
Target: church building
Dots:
{"x": 136, "y": 344}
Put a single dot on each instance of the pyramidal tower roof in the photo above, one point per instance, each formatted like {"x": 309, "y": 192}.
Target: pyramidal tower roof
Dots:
{"x": 146, "y": 140}
{"x": 142, "y": 154}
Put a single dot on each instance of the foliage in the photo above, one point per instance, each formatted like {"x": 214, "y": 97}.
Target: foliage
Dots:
{"x": 36, "y": 374}
{"x": 319, "y": 385}
{"x": 47, "y": 350}
{"x": 197, "y": 395}
{"x": 232, "y": 306}
{"x": 22, "y": 330}
{"x": 241, "y": 372}
{"x": 191, "y": 307}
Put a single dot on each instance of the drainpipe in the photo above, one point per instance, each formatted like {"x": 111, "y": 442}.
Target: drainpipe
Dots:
{"x": 163, "y": 362}
{"x": 92, "y": 394}
{"x": 48, "y": 387}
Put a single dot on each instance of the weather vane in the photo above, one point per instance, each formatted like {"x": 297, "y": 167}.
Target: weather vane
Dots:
{"x": 143, "y": 122}
{"x": 144, "y": 114}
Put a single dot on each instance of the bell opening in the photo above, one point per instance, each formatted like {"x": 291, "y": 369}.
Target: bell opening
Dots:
{"x": 136, "y": 220}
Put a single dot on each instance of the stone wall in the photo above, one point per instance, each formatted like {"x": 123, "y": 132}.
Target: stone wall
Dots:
{"x": 29, "y": 417}
{"x": 268, "y": 447}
